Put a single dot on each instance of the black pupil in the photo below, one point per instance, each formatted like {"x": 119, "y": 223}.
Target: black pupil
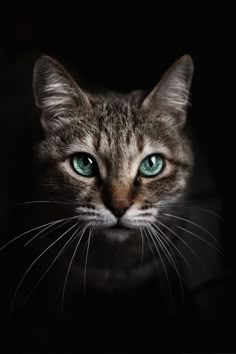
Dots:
{"x": 86, "y": 160}
{"x": 150, "y": 162}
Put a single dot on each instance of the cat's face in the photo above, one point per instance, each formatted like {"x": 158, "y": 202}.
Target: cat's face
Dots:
{"x": 119, "y": 159}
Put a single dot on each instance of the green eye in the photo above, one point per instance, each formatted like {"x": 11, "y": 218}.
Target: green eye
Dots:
{"x": 84, "y": 164}
{"x": 151, "y": 166}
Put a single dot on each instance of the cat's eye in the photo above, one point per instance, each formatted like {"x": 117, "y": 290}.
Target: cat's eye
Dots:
{"x": 84, "y": 164}
{"x": 152, "y": 165}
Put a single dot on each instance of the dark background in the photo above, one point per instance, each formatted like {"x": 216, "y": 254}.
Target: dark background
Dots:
{"x": 124, "y": 47}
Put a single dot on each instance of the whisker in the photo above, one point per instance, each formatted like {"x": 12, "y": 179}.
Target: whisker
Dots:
{"x": 213, "y": 213}
{"x": 185, "y": 243}
{"x": 190, "y": 204}
{"x": 192, "y": 233}
{"x": 80, "y": 236}
{"x": 195, "y": 224}
{"x": 202, "y": 239}
{"x": 170, "y": 259}
{"x": 151, "y": 249}
{"x": 177, "y": 203}
{"x": 29, "y": 231}
{"x": 31, "y": 202}
{"x": 142, "y": 249}
{"x": 72, "y": 238}
{"x": 155, "y": 234}
{"x": 160, "y": 256}
{"x": 32, "y": 264}
{"x": 42, "y": 231}
{"x": 86, "y": 257}
{"x": 43, "y": 202}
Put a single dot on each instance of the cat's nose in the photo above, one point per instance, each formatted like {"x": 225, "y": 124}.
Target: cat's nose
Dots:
{"x": 118, "y": 212}
{"x": 117, "y": 197}
{"x": 118, "y": 208}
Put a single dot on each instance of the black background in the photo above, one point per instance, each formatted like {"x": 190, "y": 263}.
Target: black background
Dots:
{"x": 124, "y": 47}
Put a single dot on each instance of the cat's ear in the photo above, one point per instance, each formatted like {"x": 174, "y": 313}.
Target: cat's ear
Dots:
{"x": 56, "y": 93}
{"x": 171, "y": 94}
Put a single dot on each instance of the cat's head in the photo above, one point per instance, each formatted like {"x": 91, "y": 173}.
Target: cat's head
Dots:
{"x": 120, "y": 159}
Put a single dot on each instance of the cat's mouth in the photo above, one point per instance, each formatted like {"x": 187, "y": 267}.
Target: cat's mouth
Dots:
{"x": 118, "y": 226}
{"x": 118, "y": 232}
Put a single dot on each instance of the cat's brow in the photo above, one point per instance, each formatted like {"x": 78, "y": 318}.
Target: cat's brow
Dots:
{"x": 180, "y": 163}
{"x": 86, "y": 145}
{"x": 151, "y": 147}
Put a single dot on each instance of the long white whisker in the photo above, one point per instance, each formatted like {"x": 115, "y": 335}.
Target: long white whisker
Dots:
{"x": 80, "y": 236}
{"x": 189, "y": 204}
{"x": 38, "y": 202}
{"x": 142, "y": 249}
{"x": 172, "y": 243}
{"x": 32, "y": 264}
{"x": 43, "y": 202}
{"x": 147, "y": 238}
{"x": 29, "y": 231}
{"x": 169, "y": 257}
{"x": 176, "y": 203}
{"x": 195, "y": 224}
{"x": 202, "y": 239}
{"x": 166, "y": 252}
{"x": 86, "y": 258}
{"x": 160, "y": 256}
{"x": 48, "y": 227}
{"x": 212, "y": 212}
{"x": 72, "y": 238}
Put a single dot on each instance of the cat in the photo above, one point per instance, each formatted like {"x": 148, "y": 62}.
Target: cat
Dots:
{"x": 116, "y": 164}
{"x": 111, "y": 177}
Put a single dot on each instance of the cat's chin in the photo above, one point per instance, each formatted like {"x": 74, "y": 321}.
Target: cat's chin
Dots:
{"x": 119, "y": 234}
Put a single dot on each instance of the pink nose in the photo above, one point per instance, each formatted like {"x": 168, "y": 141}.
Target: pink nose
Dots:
{"x": 117, "y": 197}
{"x": 119, "y": 207}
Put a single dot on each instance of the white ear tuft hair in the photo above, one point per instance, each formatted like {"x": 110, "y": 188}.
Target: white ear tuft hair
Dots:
{"x": 172, "y": 92}
{"x": 56, "y": 93}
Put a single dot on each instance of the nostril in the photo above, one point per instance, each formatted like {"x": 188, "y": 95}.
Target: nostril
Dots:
{"x": 118, "y": 209}
{"x": 118, "y": 212}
